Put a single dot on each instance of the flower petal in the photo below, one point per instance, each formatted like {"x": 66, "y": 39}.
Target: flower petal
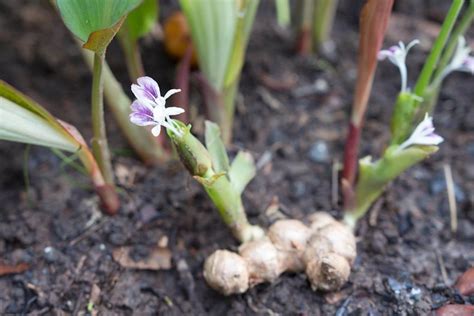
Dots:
{"x": 142, "y": 107}
{"x": 171, "y": 92}
{"x": 159, "y": 115}
{"x": 141, "y": 120}
{"x": 146, "y": 89}
{"x": 156, "y": 130}
{"x": 173, "y": 110}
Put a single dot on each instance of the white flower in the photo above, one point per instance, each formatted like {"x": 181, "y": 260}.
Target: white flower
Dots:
{"x": 150, "y": 107}
{"x": 423, "y": 135}
{"x": 461, "y": 60}
{"x": 397, "y": 55}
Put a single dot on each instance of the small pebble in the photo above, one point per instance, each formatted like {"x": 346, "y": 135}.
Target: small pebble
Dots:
{"x": 51, "y": 255}
{"x": 319, "y": 152}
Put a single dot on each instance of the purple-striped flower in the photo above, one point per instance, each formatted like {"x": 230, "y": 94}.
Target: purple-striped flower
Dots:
{"x": 150, "y": 107}
{"x": 397, "y": 55}
{"x": 424, "y": 134}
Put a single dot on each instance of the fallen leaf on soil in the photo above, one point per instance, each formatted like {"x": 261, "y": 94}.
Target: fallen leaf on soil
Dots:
{"x": 6, "y": 269}
{"x": 465, "y": 283}
{"x": 287, "y": 82}
{"x": 455, "y": 310}
{"x": 158, "y": 259}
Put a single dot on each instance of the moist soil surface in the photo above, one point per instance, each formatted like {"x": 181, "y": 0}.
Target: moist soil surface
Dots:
{"x": 292, "y": 114}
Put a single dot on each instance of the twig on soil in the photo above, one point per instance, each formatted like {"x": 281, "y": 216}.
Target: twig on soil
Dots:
{"x": 88, "y": 231}
{"x": 336, "y": 166}
{"x": 272, "y": 102}
{"x": 442, "y": 268}
{"x": 451, "y": 197}
{"x": 374, "y": 214}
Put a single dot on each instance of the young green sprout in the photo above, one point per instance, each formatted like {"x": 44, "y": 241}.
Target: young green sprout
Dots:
{"x": 210, "y": 166}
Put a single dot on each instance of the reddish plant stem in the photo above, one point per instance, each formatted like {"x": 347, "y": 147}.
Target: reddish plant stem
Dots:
{"x": 303, "y": 44}
{"x": 350, "y": 154}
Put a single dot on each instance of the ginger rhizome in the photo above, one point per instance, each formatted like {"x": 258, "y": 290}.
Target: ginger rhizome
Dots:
{"x": 325, "y": 250}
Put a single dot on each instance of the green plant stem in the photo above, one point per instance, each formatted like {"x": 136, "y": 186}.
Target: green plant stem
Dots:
{"x": 433, "y": 58}
{"x": 100, "y": 147}
{"x": 283, "y": 12}
{"x": 132, "y": 55}
{"x": 324, "y": 12}
{"x": 142, "y": 141}
{"x": 229, "y": 99}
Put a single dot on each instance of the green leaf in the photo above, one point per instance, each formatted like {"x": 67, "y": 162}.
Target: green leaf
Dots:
{"x": 141, "y": 20}
{"x": 216, "y": 148}
{"x": 95, "y": 22}
{"x": 242, "y": 171}
{"x": 23, "y": 120}
{"x": 212, "y": 24}
{"x": 23, "y": 126}
{"x": 245, "y": 19}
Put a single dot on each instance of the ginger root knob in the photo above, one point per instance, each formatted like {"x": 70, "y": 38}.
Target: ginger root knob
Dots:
{"x": 264, "y": 262}
{"x": 328, "y": 273}
{"x": 226, "y": 272}
{"x": 290, "y": 237}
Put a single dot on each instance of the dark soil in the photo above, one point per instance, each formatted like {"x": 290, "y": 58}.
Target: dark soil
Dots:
{"x": 407, "y": 258}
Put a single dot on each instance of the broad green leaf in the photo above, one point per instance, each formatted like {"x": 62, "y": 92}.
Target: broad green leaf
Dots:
{"x": 95, "y": 22}
{"x": 216, "y": 148}
{"x": 20, "y": 125}
{"x": 242, "y": 171}
{"x": 22, "y": 119}
{"x": 141, "y": 20}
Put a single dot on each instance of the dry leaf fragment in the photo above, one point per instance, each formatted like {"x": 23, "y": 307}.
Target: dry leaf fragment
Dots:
{"x": 158, "y": 259}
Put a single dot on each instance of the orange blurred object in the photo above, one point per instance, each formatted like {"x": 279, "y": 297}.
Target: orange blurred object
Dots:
{"x": 178, "y": 37}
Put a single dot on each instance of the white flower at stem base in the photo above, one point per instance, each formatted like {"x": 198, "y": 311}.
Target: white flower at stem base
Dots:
{"x": 397, "y": 55}
{"x": 423, "y": 135}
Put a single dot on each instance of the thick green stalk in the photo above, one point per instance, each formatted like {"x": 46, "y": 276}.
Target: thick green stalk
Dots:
{"x": 141, "y": 140}
{"x": 426, "y": 73}
{"x": 227, "y": 199}
{"x": 324, "y": 12}
{"x": 374, "y": 176}
{"x": 100, "y": 146}
{"x": 132, "y": 55}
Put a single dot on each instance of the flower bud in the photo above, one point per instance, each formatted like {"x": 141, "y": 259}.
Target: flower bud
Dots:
{"x": 226, "y": 272}
{"x": 318, "y": 220}
{"x": 342, "y": 240}
{"x": 191, "y": 151}
{"x": 263, "y": 261}
{"x": 328, "y": 273}
{"x": 290, "y": 236}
